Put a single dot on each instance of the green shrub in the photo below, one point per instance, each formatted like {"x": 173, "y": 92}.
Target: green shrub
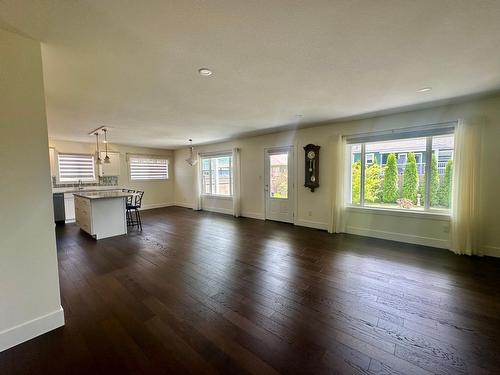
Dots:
{"x": 410, "y": 179}
{"x": 373, "y": 183}
{"x": 445, "y": 189}
{"x": 356, "y": 182}
{"x": 391, "y": 188}
{"x": 434, "y": 193}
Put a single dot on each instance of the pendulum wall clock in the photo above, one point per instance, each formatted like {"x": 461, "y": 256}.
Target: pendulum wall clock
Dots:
{"x": 311, "y": 174}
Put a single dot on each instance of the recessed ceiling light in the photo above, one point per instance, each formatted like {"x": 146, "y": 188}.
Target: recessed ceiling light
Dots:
{"x": 424, "y": 89}
{"x": 204, "y": 72}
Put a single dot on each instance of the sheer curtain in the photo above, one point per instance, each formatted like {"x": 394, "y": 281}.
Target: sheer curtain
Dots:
{"x": 236, "y": 182}
{"x": 197, "y": 184}
{"x": 338, "y": 162}
{"x": 464, "y": 229}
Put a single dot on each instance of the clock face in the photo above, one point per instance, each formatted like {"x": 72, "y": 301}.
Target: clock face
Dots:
{"x": 311, "y": 154}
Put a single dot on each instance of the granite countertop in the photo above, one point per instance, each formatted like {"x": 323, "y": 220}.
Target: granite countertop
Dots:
{"x": 101, "y": 194}
{"x": 86, "y": 189}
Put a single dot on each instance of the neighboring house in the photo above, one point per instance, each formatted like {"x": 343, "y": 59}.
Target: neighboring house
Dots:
{"x": 379, "y": 152}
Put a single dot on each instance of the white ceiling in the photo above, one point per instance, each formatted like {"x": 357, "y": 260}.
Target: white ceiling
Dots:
{"x": 133, "y": 64}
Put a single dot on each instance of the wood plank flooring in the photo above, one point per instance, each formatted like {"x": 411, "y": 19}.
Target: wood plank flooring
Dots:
{"x": 205, "y": 293}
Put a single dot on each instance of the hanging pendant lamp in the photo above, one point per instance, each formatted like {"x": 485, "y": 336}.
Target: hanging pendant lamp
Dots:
{"x": 99, "y": 161}
{"x": 191, "y": 160}
{"x": 106, "y": 159}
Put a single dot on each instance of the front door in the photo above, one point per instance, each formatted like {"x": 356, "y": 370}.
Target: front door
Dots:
{"x": 278, "y": 186}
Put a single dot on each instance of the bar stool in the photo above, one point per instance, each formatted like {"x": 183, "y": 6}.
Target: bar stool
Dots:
{"x": 133, "y": 214}
{"x": 128, "y": 204}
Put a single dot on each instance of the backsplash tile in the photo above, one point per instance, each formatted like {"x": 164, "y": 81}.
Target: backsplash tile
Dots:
{"x": 103, "y": 181}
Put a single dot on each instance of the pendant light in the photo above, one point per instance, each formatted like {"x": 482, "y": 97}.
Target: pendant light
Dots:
{"x": 99, "y": 161}
{"x": 191, "y": 160}
{"x": 106, "y": 159}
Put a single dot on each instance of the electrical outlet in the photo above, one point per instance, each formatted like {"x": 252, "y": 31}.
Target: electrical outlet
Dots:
{"x": 446, "y": 228}
{"x": 310, "y": 213}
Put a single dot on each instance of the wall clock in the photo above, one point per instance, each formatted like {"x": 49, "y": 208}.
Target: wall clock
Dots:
{"x": 311, "y": 175}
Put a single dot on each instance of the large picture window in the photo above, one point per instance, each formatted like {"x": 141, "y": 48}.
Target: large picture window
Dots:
{"x": 216, "y": 175}
{"x": 408, "y": 173}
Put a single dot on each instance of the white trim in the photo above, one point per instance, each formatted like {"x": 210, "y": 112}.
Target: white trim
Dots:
{"x": 184, "y": 205}
{"x": 155, "y": 205}
{"x": 492, "y": 251}
{"x": 225, "y": 211}
{"x": 400, "y": 237}
{"x": 311, "y": 224}
{"x": 253, "y": 215}
{"x": 215, "y": 196}
{"x": 426, "y": 215}
{"x": 31, "y": 329}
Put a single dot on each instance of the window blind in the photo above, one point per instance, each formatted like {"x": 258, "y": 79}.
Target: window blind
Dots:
{"x": 148, "y": 168}
{"x": 412, "y": 132}
{"x": 74, "y": 167}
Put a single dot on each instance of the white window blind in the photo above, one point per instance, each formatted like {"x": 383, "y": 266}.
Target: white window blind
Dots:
{"x": 75, "y": 167}
{"x": 148, "y": 168}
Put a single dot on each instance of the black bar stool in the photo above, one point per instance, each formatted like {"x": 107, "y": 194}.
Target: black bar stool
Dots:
{"x": 133, "y": 205}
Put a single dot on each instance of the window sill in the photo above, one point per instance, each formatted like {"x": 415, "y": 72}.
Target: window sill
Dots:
{"x": 149, "y": 180}
{"x": 213, "y": 196}
{"x": 431, "y": 215}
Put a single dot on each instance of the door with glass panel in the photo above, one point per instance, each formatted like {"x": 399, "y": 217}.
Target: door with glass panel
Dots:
{"x": 278, "y": 184}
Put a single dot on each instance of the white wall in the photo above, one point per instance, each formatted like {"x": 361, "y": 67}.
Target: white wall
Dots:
{"x": 156, "y": 193}
{"x": 29, "y": 285}
{"x": 313, "y": 209}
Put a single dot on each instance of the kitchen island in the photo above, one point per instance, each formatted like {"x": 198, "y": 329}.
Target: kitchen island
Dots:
{"x": 101, "y": 213}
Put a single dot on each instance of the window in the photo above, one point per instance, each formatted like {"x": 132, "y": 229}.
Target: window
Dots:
{"x": 76, "y": 167}
{"x": 402, "y": 172}
{"x": 369, "y": 158}
{"x": 216, "y": 175}
{"x": 279, "y": 176}
{"x": 144, "y": 168}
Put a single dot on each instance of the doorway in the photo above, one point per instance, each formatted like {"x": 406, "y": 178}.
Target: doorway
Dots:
{"x": 278, "y": 184}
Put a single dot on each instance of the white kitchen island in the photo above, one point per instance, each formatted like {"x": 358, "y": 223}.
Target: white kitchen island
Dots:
{"x": 101, "y": 213}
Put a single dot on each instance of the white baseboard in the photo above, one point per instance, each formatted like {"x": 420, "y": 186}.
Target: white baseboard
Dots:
{"x": 218, "y": 210}
{"x": 393, "y": 236}
{"x": 491, "y": 251}
{"x": 185, "y": 205}
{"x": 311, "y": 224}
{"x": 253, "y": 215}
{"x": 155, "y": 205}
{"x": 30, "y": 329}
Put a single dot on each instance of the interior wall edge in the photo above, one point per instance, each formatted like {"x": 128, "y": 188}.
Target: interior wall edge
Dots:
{"x": 27, "y": 330}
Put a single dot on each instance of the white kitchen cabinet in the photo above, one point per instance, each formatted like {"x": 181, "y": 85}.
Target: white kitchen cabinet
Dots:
{"x": 113, "y": 168}
{"x": 69, "y": 207}
{"x": 101, "y": 214}
{"x": 53, "y": 164}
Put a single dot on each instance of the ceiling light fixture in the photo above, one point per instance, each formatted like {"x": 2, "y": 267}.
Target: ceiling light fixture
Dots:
{"x": 106, "y": 159}
{"x": 424, "y": 89}
{"x": 191, "y": 160}
{"x": 204, "y": 72}
{"x": 99, "y": 161}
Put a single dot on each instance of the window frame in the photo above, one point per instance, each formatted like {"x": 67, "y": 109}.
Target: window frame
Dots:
{"x": 210, "y": 157}
{"x": 394, "y": 136}
{"x": 60, "y": 180}
{"x": 146, "y": 157}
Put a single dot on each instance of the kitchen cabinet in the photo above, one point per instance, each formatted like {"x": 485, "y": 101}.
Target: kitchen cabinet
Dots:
{"x": 113, "y": 168}
{"x": 101, "y": 213}
{"x": 69, "y": 207}
{"x": 53, "y": 164}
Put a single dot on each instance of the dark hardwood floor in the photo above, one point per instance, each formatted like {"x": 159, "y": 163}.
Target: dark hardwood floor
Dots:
{"x": 206, "y": 293}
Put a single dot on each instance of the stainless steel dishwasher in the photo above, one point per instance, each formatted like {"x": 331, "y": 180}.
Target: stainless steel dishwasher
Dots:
{"x": 59, "y": 215}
